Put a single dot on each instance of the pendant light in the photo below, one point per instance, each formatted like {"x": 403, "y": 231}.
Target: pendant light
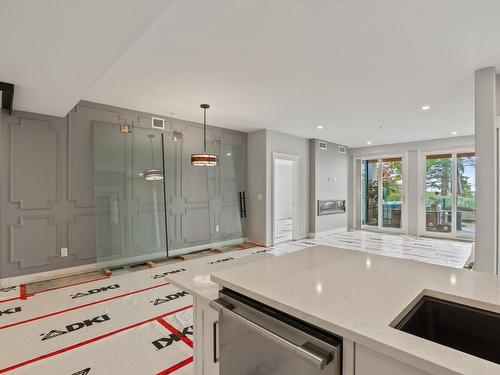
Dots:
{"x": 152, "y": 174}
{"x": 205, "y": 159}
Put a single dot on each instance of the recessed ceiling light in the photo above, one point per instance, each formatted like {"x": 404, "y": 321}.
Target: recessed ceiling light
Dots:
{"x": 320, "y": 127}
{"x": 426, "y": 107}
{"x": 228, "y": 154}
{"x": 369, "y": 142}
{"x": 454, "y": 133}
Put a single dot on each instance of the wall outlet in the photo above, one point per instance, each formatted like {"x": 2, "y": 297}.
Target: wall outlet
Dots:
{"x": 217, "y": 228}
{"x": 64, "y": 252}
{"x": 259, "y": 197}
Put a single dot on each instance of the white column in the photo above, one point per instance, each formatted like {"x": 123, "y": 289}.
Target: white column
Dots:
{"x": 486, "y": 171}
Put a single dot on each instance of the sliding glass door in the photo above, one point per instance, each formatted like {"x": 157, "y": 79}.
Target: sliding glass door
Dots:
{"x": 450, "y": 194}
{"x": 369, "y": 193}
{"x": 381, "y": 193}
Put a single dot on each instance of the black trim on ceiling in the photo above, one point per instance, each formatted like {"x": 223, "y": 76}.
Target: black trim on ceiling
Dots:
{"x": 7, "y": 90}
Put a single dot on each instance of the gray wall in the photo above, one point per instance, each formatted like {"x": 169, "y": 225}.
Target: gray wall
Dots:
{"x": 329, "y": 180}
{"x": 262, "y": 144}
{"x": 256, "y": 186}
{"x": 412, "y": 150}
{"x": 487, "y": 109}
{"x": 47, "y": 192}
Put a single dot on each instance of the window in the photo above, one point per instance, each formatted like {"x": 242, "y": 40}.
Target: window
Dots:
{"x": 450, "y": 194}
{"x": 381, "y": 193}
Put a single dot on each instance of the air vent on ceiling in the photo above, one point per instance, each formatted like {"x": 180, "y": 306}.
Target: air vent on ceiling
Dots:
{"x": 342, "y": 149}
{"x": 158, "y": 123}
{"x": 322, "y": 145}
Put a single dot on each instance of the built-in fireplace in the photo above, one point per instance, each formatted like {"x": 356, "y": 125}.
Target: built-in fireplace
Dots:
{"x": 331, "y": 207}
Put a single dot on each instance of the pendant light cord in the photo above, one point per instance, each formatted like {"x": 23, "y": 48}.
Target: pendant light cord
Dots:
{"x": 205, "y": 130}
{"x": 152, "y": 153}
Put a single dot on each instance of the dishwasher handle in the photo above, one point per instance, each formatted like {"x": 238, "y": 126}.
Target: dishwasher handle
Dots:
{"x": 308, "y": 352}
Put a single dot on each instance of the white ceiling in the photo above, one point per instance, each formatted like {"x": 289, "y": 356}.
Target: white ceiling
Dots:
{"x": 352, "y": 66}
{"x": 54, "y": 51}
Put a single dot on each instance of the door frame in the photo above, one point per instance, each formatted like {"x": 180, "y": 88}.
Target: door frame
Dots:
{"x": 404, "y": 192}
{"x": 422, "y": 190}
{"x": 295, "y": 192}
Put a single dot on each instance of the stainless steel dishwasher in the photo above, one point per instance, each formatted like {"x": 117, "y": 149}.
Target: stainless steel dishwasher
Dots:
{"x": 251, "y": 338}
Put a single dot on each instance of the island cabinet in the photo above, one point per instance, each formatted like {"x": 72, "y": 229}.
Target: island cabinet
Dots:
{"x": 205, "y": 332}
{"x": 370, "y": 362}
{"x": 356, "y": 359}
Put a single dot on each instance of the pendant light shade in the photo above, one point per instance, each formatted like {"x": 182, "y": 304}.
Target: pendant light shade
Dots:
{"x": 152, "y": 174}
{"x": 204, "y": 159}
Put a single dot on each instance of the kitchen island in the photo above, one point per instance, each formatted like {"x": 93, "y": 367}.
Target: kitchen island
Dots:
{"x": 361, "y": 297}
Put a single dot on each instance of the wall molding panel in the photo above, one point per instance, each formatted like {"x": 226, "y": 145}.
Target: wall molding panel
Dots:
{"x": 22, "y": 250}
{"x": 81, "y": 236}
{"x": 47, "y": 194}
{"x": 35, "y": 160}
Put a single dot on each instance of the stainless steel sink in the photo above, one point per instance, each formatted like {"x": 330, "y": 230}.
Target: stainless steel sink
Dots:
{"x": 461, "y": 327}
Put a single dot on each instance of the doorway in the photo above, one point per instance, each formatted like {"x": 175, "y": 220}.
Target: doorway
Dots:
{"x": 382, "y": 193}
{"x": 285, "y": 196}
{"x": 448, "y": 204}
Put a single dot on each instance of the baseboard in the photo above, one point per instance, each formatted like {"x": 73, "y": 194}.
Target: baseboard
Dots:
{"x": 48, "y": 275}
{"x": 192, "y": 249}
{"x": 333, "y": 231}
{"x": 111, "y": 263}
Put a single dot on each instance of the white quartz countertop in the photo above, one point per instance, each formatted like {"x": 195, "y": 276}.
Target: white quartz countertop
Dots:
{"x": 358, "y": 296}
{"x": 196, "y": 278}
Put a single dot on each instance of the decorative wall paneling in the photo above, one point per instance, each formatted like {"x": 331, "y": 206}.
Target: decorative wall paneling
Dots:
{"x": 47, "y": 189}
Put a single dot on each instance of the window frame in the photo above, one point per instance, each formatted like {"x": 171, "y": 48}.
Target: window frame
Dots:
{"x": 404, "y": 192}
{"x": 422, "y": 227}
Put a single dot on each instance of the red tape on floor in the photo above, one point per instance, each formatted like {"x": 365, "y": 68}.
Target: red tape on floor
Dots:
{"x": 89, "y": 341}
{"x": 10, "y": 299}
{"x": 176, "y": 366}
{"x": 22, "y": 292}
{"x": 81, "y": 306}
{"x": 172, "y": 329}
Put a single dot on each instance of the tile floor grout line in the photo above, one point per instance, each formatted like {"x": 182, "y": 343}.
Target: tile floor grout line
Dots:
{"x": 89, "y": 341}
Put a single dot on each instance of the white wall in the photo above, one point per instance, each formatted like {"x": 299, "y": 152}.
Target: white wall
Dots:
{"x": 412, "y": 151}
{"x": 256, "y": 186}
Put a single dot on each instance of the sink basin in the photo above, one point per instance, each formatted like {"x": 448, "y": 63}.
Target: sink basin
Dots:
{"x": 461, "y": 327}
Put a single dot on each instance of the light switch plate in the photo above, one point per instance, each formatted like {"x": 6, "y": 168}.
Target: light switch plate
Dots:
{"x": 64, "y": 252}
{"x": 217, "y": 228}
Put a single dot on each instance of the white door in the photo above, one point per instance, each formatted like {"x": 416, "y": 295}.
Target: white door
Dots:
{"x": 284, "y": 198}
